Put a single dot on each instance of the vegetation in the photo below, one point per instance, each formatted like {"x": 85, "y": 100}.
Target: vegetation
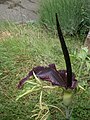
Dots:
{"x": 73, "y": 14}
{"x": 21, "y": 48}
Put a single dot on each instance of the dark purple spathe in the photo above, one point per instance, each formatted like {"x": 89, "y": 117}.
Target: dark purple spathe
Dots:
{"x": 51, "y": 74}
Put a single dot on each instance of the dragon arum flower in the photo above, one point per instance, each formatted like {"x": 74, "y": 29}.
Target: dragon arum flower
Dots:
{"x": 62, "y": 78}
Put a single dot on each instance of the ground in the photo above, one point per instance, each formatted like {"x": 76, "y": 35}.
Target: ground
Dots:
{"x": 19, "y": 10}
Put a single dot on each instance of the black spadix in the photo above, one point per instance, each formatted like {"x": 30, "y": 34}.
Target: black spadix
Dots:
{"x": 66, "y": 54}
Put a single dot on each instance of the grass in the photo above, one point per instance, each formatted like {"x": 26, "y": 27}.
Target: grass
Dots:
{"x": 73, "y": 14}
{"x": 21, "y": 48}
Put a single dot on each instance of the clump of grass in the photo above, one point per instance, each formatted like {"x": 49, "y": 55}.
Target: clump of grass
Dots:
{"x": 73, "y": 14}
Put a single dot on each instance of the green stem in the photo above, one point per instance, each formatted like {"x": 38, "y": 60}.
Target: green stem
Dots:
{"x": 67, "y": 114}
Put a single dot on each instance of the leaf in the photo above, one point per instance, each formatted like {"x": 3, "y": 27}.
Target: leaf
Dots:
{"x": 27, "y": 92}
{"x": 34, "y": 115}
{"x": 83, "y": 53}
{"x": 49, "y": 87}
{"x": 35, "y": 110}
{"x": 88, "y": 57}
{"x": 81, "y": 87}
{"x": 57, "y": 109}
{"x": 40, "y": 100}
{"x": 88, "y": 65}
{"x": 45, "y": 116}
{"x": 40, "y": 112}
{"x": 33, "y": 83}
{"x": 38, "y": 80}
{"x": 0, "y": 73}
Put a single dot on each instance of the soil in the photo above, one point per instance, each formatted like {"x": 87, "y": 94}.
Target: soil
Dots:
{"x": 19, "y": 10}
